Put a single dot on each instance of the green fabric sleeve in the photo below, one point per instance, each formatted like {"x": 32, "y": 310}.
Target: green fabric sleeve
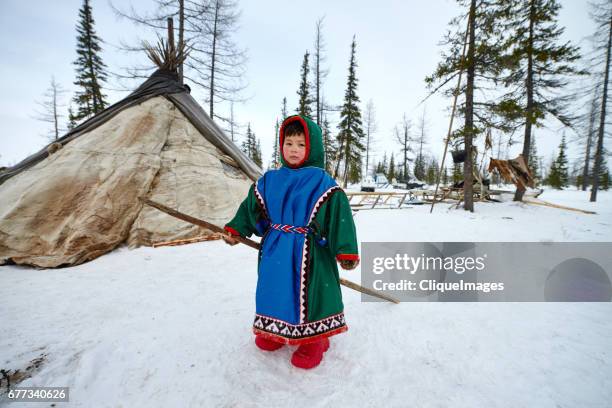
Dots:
{"x": 341, "y": 233}
{"x": 247, "y": 215}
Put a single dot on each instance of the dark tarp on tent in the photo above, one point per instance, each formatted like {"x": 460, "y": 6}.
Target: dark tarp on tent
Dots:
{"x": 161, "y": 83}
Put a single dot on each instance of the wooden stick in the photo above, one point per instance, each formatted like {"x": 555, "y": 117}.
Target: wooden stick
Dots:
{"x": 250, "y": 243}
{"x": 184, "y": 241}
{"x": 452, "y": 117}
{"x": 195, "y": 221}
{"x": 562, "y": 207}
{"x": 376, "y": 202}
{"x": 402, "y": 202}
{"x": 367, "y": 291}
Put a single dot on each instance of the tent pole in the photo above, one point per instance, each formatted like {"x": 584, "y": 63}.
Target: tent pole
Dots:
{"x": 450, "y": 125}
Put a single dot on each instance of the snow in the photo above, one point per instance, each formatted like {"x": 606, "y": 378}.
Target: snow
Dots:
{"x": 171, "y": 327}
{"x": 507, "y": 221}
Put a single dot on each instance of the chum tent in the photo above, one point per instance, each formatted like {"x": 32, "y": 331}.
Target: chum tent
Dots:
{"x": 78, "y": 198}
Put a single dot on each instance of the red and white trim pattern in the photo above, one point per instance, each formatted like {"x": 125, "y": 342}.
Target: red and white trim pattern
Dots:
{"x": 261, "y": 201}
{"x": 320, "y": 202}
{"x": 305, "y": 249}
{"x": 290, "y": 228}
{"x": 287, "y": 333}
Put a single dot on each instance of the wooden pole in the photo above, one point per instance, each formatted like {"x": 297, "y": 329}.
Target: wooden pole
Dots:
{"x": 181, "y": 41}
{"x": 171, "y": 33}
{"x": 452, "y": 117}
{"x": 562, "y": 207}
{"x": 252, "y": 244}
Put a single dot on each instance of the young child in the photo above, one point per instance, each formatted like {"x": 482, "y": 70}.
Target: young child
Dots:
{"x": 306, "y": 225}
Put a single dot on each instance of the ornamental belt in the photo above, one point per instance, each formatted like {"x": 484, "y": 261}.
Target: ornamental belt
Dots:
{"x": 291, "y": 228}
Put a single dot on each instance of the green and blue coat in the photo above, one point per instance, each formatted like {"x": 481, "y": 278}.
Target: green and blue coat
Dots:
{"x": 306, "y": 225}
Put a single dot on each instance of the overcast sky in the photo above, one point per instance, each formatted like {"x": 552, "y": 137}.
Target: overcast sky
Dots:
{"x": 397, "y": 46}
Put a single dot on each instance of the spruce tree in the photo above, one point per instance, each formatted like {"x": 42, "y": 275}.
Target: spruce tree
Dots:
{"x": 380, "y": 168}
{"x": 391, "y": 172}
{"x": 432, "y": 172}
{"x": 534, "y": 165}
{"x": 284, "y": 113}
{"x": 275, "y": 151}
{"x": 457, "y": 173}
{"x": 328, "y": 144}
{"x": 482, "y": 66}
{"x": 558, "y": 176}
{"x": 252, "y": 147}
{"x": 91, "y": 71}
{"x": 419, "y": 167}
{"x": 71, "y": 120}
{"x": 245, "y": 146}
{"x": 562, "y": 164}
{"x": 604, "y": 174}
{"x": 351, "y": 133}
{"x": 445, "y": 177}
{"x": 553, "y": 178}
{"x": 400, "y": 175}
{"x": 257, "y": 152}
{"x": 305, "y": 101}
{"x": 538, "y": 62}
{"x": 384, "y": 164}
{"x": 605, "y": 180}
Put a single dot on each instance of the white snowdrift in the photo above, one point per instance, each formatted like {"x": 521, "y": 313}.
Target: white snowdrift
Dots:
{"x": 171, "y": 327}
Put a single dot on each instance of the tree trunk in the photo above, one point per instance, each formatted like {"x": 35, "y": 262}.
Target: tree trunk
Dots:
{"x": 318, "y": 72}
{"x": 181, "y": 32}
{"x": 518, "y": 195}
{"x": 405, "y": 152}
{"x": 55, "y": 113}
{"x": 346, "y": 161}
{"x": 338, "y": 157}
{"x": 602, "y": 120}
{"x": 587, "y": 154}
{"x": 367, "y": 149}
{"x": 468, "y": 188}
{"x": 213, "y": 60}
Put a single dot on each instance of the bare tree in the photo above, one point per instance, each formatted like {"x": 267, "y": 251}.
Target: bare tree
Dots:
{"x": 50, "y": 113}
{"x": 602, "y": 14}
{"x": 319, "y": 73}
{"x": 371, "y": 126}
{"x": 421, "y": 139}
{"x": 404, "y": 138}
{"x": 588, "y": 142}
{"x": 234, "y": 128}
{"x": 215, "y": 62}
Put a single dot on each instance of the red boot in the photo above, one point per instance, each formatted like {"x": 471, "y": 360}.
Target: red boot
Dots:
{"x": 265, "y": 344}
{"x": 309, "y": 355}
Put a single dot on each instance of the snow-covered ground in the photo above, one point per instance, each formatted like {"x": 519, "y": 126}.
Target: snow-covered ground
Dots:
{"x": 507, "y": 221}
{"x": 171, "y": 327}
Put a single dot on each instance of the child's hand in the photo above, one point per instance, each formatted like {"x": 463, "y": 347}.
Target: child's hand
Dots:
{"x": 229, "y": 238}
{"x": 349, "y": 264}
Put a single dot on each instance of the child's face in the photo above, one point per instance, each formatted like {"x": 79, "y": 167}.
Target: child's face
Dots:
{"x": 294, "y": 148}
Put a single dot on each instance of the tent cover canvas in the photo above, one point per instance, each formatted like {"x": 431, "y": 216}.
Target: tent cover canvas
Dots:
{"x": 65, "y": 207}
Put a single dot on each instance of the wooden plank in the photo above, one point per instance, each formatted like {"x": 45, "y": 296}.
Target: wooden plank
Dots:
{"x": 375, "y": 202}
{"x": 402, "y": 202}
